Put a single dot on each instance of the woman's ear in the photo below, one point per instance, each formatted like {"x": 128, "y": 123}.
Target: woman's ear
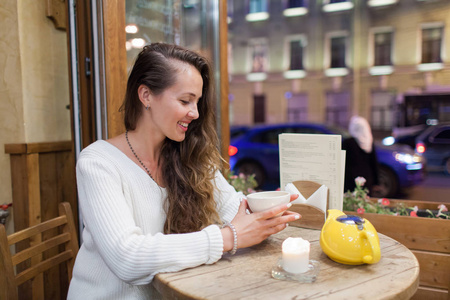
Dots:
{"x": 145, "y": 95}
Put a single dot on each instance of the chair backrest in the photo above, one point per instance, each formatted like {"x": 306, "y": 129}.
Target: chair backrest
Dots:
{"x": 312, "y": 217}
{"x": 39, "y": 254}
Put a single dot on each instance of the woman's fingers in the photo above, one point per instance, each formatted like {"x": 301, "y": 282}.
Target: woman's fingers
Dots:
{"x": 243, "y": 206}
{"x": 294, "y": 197}
{"x": 288, "y": 212}
{"x": 290, "y": 217}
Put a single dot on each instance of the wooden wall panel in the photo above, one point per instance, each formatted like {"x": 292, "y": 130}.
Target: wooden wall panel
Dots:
{"x": 115, "y": 62}
{"x": 43, "y": 175}
{"x": 434, "y": 269}
{"x": 431, "y": 294}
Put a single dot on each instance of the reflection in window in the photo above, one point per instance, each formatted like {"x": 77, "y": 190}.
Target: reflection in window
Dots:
{"x": 258, "y": 55}
{"x": 296, "y": 55}
{"x": 151, "y": 21}
{"x": 382, "y": 48}
{"x": 431, "y": 45}
{"x": 337, "y": 52}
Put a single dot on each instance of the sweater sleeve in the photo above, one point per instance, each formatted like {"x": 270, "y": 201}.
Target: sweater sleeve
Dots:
{"x": 227, "y": 199}
{"x": 131, "y": 255}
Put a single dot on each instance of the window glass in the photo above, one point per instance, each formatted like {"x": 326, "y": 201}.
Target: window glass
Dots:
{"x": 296, "y": 62}
{"x": 337, "y": 52}
{"x": 431, "y": 45}
{"x": 443, "y": 136}
{"x": 382, "y": 48}
{"x": 258, "y": 55}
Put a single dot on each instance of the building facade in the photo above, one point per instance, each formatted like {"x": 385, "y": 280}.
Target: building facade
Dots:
{"x": 325, "y": 60}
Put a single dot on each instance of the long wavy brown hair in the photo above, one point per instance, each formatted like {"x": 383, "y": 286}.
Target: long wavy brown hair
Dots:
{"x": 188, "y": 167}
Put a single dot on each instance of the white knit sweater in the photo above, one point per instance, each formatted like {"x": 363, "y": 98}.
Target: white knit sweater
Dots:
{"x": 123, "y": 244}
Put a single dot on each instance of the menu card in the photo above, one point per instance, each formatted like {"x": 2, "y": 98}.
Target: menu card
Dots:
{"x": 314, "y": 157}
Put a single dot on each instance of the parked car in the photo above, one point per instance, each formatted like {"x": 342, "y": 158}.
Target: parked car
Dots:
{"x": 238, "y": 130}
{"x": 405, "y": 135}
{"x": 256, "y": 152}
{"x": 434, "y": 145}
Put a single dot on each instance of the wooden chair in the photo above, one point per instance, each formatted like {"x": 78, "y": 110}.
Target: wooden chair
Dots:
{"x": 41, "y": 253}
{"x": 312, "y": 217}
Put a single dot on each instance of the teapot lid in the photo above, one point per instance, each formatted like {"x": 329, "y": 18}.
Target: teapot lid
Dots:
{"x": 351, "y": 220}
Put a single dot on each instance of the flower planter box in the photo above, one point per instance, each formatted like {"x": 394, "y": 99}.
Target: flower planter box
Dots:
{"x": 428, "y": 239}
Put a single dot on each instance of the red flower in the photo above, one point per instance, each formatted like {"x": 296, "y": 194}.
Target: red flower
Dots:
{"x": 413, "y": 214}
{"x": 385, "y": 201}
{"x": 360, "y": 210}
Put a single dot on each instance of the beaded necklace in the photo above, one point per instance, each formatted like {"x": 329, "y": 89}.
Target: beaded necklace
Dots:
{"x": 137, "y": 157}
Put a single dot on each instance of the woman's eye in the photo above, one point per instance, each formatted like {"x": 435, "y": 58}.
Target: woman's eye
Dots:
{"x": 184, "y": 102}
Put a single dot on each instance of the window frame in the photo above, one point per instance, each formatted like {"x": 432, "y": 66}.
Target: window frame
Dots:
{"x": 426, "y": 26}
{"x": 372, "y": 48}
{"x": 329, "y": 71}
{"x": 343, "y": 5}
{"x": 257, "y": 15}
{"x": 380, "y": 69}
{"x": 287, "y": 50}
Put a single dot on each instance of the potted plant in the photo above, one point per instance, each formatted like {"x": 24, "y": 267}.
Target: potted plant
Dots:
{"x": 242, "y": 183}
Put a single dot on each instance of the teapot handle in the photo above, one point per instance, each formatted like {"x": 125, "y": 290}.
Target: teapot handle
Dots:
{"x": 374, "y": 247}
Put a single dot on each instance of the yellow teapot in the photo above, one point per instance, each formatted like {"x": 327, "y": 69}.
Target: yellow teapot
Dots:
{"x": 349, "y": 239}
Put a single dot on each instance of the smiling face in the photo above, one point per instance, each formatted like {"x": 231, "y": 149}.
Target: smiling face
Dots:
{"x": 174, "y": 109}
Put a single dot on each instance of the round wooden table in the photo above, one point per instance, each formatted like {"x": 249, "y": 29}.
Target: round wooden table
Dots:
{"x": 247, "y": 274}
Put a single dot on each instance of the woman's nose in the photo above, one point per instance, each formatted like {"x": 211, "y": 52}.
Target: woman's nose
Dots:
{"x": 193, "y": 113}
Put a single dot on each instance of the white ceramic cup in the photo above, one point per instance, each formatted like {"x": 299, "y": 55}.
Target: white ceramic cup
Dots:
{"x": 264, "y": 200}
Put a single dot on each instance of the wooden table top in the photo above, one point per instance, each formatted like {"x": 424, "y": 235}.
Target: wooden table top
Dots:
{"x": 247, "y": 274}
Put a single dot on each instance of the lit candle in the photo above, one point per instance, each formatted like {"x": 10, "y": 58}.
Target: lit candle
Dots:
{"x": 295, "y": 257}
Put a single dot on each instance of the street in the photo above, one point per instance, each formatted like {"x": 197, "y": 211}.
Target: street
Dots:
{"x": 435, "y": 188}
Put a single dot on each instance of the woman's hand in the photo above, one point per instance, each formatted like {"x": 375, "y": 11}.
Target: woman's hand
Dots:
{"x": 253, "y": 228}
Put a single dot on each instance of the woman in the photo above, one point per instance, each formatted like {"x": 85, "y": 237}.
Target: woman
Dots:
{"x": 361, "y": 159}
{"x": 153, "y": 199}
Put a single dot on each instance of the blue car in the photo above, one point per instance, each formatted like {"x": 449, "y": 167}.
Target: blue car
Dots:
{"x": 255, "y": 151}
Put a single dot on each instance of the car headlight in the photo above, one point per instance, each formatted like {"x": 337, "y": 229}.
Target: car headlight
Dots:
{"x": 405, "y": 158}
{"x": 417, "y": 158}
{"x": 413, "y": 162}
{"x": 388, "y": 141}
